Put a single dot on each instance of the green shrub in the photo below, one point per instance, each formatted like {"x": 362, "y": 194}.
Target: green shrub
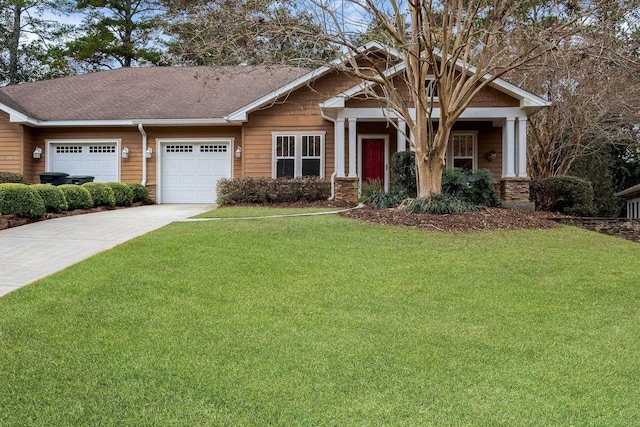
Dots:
{"x": 20, "y": 200}
{"x": 77, "y": 196}
{"x": 53, "y": 197}
{"x": 10, "y": 177}
{"x": 373, "y": 194}
{"x": 564, "y": 194}
{"x": 140, "y": 192}
{"x": 245, "y": 190}
{"x": 403, "y": 173}
{"x": 482, "y": 190}
{"x": 101, "y": 194}
{"x": 440, "y": 204}
{"x": 455, "y": 183}
{"x": 122, "y": 192}
{"x": 267, "y": 190}
{"x": 475, "y": 187}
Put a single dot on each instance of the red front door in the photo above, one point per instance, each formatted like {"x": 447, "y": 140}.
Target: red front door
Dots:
{"x": 373, "y": 160}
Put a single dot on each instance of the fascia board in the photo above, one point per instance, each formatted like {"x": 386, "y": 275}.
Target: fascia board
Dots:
{"x": 16, "y": 116}
{"x": 115, "y": 123}
{"x": 338, "y": 101}
{"x": 241, "y": 114}
{"x": 526, "y": 98}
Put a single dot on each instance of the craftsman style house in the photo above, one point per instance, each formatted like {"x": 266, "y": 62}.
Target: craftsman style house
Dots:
{"x": 180, "y": 129}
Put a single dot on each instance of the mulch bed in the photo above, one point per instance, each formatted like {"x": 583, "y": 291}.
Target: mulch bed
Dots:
{"x": 486, "y": 219}
{"x": 10, "y": 221}
{"x": 490, "y": 218}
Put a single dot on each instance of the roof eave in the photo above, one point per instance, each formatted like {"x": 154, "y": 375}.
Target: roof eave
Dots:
{"x": 122, "y": 122}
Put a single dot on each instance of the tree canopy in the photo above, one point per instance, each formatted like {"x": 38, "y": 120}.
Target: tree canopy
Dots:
{"x": 117, "y": 33}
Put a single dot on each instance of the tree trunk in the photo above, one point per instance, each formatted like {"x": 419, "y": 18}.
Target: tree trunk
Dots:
{"x": 14, "y": 45}
{"x": 430, "y": 157}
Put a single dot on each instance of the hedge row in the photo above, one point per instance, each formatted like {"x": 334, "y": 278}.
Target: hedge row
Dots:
{"x": 267, "y": 190}
{"x": 31, "y": 201}
{"x": 16, "y": 178}
{"x": 564, "y": 194}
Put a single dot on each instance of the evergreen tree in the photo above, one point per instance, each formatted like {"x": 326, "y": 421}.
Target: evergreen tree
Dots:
{"x": 28, "y": 42}
{"x": 117, "y": 33}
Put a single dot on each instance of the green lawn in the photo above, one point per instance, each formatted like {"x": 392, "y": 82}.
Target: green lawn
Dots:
{"x": 251, "y": 211}
{"x": 326, "y": 321}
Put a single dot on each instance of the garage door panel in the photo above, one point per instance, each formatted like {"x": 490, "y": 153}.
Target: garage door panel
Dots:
{"x": 190, "y": 172}
{"x": 97, "y": 160}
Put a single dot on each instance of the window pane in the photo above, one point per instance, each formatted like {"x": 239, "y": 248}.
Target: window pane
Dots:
{"x": 285, "y": 146}
{"x": 432, "y": 88}
{"x": 465, "y": 164}
{"x": 310, "y": 167}
{"x": 462, "y": 145}
{"x": 311, "y": 146}
{"x": 285, "y": 168}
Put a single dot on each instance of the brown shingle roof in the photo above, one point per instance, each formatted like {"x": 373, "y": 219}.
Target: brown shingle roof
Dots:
{"x": 148, "y": 93}
{"x": 630, "y": 192}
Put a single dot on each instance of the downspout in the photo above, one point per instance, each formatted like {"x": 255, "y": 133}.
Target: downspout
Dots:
{"x": 335, "y": 158}
{"x": 144, "y": 154}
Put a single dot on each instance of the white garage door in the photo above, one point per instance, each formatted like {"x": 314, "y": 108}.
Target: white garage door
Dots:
{"x": 190, "y": 171}
{"x": 98, "y": 160}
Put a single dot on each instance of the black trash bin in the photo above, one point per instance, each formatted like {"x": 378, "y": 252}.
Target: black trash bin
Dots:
{"x": 79, "y": 179}
{"x": 53, "y": 178}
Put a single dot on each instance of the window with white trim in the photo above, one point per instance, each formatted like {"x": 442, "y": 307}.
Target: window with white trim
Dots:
{"x": 462, "y": 149}
{"x": 298, "y": 154}
{"x": 431, "y": 87}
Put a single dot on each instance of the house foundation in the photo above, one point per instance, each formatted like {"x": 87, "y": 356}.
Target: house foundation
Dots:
{"x": 514, "y": 193}
{"x": 346, "y": 189}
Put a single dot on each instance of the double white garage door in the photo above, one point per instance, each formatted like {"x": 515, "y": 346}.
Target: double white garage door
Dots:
{"x": 189, "y": 171}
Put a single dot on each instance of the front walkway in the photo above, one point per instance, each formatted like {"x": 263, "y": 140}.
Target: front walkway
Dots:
{"x": 37, "y": 250}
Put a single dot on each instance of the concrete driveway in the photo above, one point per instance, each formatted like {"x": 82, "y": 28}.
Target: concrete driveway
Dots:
{"x": 34, "y": 251}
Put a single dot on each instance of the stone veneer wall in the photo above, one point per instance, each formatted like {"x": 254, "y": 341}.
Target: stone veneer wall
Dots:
{"x": 346, "y": 189}
{"x": 514, "y": 193}
{"x": 152, "y": 192}
{"x": 621, "y": 227}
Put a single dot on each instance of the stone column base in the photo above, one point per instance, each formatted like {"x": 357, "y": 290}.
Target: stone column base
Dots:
{"x": 346, "y": 189}
{"x": 514, "y": 193}
{"x": 152, "y": 192}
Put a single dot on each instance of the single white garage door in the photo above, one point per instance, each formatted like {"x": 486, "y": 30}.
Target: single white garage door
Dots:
{"x": 190, "y": 172}
{"x": 99, "y": 160}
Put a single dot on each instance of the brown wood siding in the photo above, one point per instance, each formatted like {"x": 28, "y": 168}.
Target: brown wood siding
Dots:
{"x": 32, "y": 167}
{"x": 11, "y": 145}
{"x": 300, "y": 112}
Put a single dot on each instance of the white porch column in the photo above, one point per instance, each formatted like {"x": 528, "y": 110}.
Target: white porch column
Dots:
{"x": 353, "y": 141}
{"x": 412, "y": 147}
{"x": 339, "y": 142}
{"x": 401, "y": 139}
{"x": 508, "y": 148}
{"x": 521, "y": 149}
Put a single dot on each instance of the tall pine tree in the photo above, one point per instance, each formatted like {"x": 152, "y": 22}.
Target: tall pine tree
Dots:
{"x": 117, "y": 33}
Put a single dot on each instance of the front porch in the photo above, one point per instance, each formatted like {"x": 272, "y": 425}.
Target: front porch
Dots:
{"x": 365, "y": 140}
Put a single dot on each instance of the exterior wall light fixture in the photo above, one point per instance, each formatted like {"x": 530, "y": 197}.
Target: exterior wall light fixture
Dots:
{"x": 491, "y": 155}
{"x": 125, "y": 153}
{"x": 37, "y": 153}
{"x": 239, "y": 151}
{"x": 148, "y": 153}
